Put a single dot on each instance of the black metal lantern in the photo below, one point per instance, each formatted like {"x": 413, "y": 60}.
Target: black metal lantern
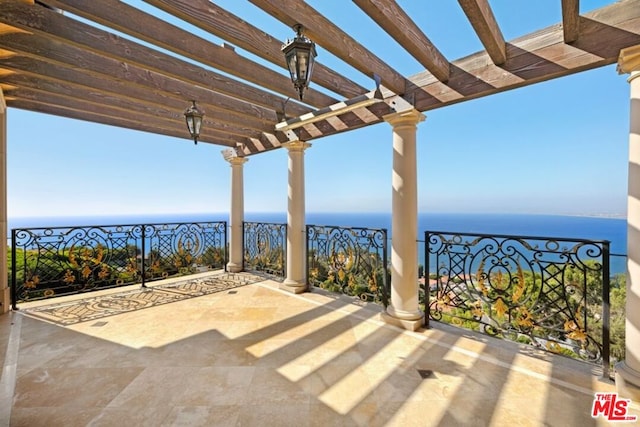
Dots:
{"x": 300, "y": 55}
{"x": 193, "y": 115}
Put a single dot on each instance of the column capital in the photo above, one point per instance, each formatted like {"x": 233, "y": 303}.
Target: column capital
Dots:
{"x": 235, "y": 161}
{"x": 296, "y": 145}
{"x": 629, "y": 60}
{"x": 407, "y": 117}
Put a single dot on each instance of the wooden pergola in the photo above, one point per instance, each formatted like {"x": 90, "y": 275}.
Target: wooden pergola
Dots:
{"x": 111, "y": 63}
{"x": 52, "y": 62}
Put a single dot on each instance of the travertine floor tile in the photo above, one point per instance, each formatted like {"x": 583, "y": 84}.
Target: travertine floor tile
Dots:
{"x": 202, "y": 416}
{"x": 73, "y": 388}
{"x": 257, "y": 356}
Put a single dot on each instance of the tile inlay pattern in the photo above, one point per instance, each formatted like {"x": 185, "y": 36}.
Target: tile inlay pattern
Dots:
{"x": 84, "y": 310}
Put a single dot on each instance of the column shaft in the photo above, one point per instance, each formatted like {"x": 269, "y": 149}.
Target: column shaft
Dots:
{"x": 628, "y": 371}
{"x": 5, "y": 296}
{"x": 632, "y": 354}
{"x": 236, "y": 216}
{"x": 404, "y": 309}
{"x": 296, "y": 233}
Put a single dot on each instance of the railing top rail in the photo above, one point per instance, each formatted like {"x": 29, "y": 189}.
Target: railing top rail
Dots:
{"x": 66, "y": 227}
{"x": 348, "y": 228}
{"x": 519, "y": 237}
{"x": 264, "y": 223}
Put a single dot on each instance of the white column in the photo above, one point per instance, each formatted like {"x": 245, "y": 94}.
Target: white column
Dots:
{"x": 236, "y": 216}
{"x": 296, "y": 281}
{"x": 5, "y": 295}
{"x": 403, "y": 309}
{"x": 628, "y": 371}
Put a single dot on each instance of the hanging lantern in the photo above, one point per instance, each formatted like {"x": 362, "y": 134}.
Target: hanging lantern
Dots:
{"x": 300, "y": 55}
{"x": 193, "y": 115}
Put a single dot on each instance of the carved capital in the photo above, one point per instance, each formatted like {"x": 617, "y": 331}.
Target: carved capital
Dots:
{"x": 235, "y": 161}
{"x": 296, "y": 145}
{"x": 410, "y": 117}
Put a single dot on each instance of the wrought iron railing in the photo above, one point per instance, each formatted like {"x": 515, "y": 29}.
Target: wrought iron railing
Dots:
{"x": 265, "y": 247}
{"x": 552, "y": 293}
{"x": 55, "y": 261}
{"x": 350, "y": 260}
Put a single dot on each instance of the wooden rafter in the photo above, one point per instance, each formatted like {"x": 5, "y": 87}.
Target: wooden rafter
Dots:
{"x": 571, "y": 20}
{"x": 50, "y": 50}
{"x": 169, "y": 125}
{"x": 395, "y": 21}
{"x": 129, "y": 20}
{"x": 128, "y": 123}
{"x": 333, "y": 39}
{"x": 38, "y": 68}
{"x": 215, "y": 20}
{"x": 128, "y": 80}
{"x": 536, "y": 57}
{"x": 484, "y": 23}
{"x": 51, "y": 24}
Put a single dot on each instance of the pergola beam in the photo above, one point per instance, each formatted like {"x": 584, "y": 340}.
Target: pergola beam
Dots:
{"x": 536, "y": 57}
{"x": 149, "y": 120}
{"x": 58, "y": 60}
{"x": 395, "y": 21}
{"x": 132, "y": 21}
{"x": 43, "y": 21}
{"x": 571, "y": 20}
{"x": 46, "y": 91}
{"x": 484, "y": 23}
{"x": 17, "y": 69}
{"x": 74, "y": 113}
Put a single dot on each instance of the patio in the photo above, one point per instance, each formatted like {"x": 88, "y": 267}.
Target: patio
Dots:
{"x": 241, "y": 349}
{"x": 252, "y": 354}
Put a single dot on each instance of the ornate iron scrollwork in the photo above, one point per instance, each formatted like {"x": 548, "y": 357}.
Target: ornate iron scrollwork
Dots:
{"x": 54, "y": 261}
{"x": 265, "y": 247}
{"x": 547, "y": 292}
{"x": 349, "y": 260}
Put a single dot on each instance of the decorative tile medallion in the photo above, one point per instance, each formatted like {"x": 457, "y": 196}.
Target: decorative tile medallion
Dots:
{"x": 92, "y": 308}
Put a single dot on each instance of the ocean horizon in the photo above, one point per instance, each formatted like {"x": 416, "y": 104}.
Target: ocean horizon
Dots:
{"x": 533, "y": 225}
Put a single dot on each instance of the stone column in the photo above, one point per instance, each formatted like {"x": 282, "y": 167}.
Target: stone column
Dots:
{"x": 236, "y": 216}
{"x": 403, "y": 310}
{"x": 5, "y": 295}
{"x": 296, "y": 280}
{"x": 628, "y": 371}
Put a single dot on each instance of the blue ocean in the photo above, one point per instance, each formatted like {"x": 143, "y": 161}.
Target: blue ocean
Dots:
{"x": 557, "y": 226}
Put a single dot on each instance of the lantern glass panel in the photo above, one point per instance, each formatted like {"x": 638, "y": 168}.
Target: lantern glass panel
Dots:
{"x": 190, "y": 125}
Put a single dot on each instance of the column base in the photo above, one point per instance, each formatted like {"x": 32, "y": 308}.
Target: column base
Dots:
{"x": 409, "y": 325}
{"x": 293, "y": 286}
{"x": 403, "y": 314}
{"x": 627, "y": 382}
{"x": 232, "y": 267}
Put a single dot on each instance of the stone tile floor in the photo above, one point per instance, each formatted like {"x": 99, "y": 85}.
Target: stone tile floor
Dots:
{"x": 253, "y": 355}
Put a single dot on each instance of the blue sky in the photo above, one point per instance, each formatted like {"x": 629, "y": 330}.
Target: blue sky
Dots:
{"x": 558, "y": 147}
